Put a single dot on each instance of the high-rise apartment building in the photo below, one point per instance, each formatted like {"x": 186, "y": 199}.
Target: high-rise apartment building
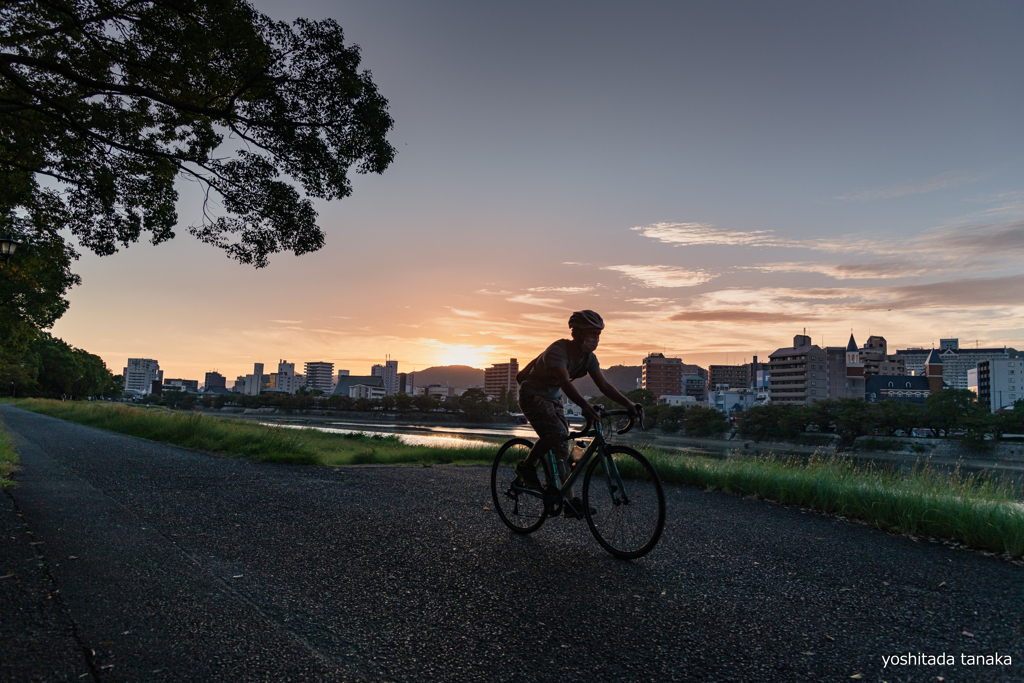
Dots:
{"x": 407, "y": 383}
{"x": 1000, "y": 383}
{"x": 214, "y": 381}
{"x": 502, "y": 376}
{"x": 139, "y": 375}
{"x": 799, "y": 373}
{"x": 837, "y": 387}
{"x": 662, "y": 376}
{"x": 389, "y": 373}
{"x": 732, "y": 376}
{"x": 319, "y": 376}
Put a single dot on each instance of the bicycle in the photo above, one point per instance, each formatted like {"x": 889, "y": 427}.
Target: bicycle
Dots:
{"x": 627, "y": 522}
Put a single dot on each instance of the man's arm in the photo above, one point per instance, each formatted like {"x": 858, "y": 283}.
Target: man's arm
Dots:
{"x": 562, "y": 375}
{"x": 611, "y": 392}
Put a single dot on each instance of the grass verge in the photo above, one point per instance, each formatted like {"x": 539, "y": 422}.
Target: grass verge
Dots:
{"x": 976, "y": 510}
{"x": 8, "y": 457}
{"x": 252, "y": 440}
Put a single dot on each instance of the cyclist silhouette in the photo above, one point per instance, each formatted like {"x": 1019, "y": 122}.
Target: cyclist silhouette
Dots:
{"x": 540, "y": 397}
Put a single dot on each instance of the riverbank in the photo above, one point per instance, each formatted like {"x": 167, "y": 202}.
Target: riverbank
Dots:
{"x": 373, "y": 416}
{"x": 8, "y": 457}
{"x": 949, "y": 454}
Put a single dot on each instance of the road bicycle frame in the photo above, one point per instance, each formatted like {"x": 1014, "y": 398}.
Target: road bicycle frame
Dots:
{"x": 595, "y": 449}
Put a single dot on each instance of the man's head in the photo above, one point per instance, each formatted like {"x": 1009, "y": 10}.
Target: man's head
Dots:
{"x": 586, "y": 329}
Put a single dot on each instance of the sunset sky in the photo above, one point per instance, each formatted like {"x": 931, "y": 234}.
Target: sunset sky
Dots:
{"x": 710, "y": 177}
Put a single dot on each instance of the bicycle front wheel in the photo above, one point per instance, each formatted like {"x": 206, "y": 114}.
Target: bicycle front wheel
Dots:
{"x": 627, "y": 501}
{"x": 520, "y": 509}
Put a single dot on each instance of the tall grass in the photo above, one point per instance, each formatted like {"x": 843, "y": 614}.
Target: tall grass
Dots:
{"x": 8, "y": 457}
{"x": 980, "y": 511}
{"x": 250, "y": 440}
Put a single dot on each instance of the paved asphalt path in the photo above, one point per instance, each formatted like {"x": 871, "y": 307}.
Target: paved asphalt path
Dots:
{"x": 127, "y": 560}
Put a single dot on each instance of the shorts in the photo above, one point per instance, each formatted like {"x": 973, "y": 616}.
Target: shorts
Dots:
{"x": 547, "y": 417}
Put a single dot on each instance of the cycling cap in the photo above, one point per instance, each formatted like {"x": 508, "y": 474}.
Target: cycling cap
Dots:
{"x": 586, "y": 320}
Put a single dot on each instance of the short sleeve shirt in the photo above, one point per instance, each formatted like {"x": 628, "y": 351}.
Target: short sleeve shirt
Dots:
{"x": 562, "y": 354}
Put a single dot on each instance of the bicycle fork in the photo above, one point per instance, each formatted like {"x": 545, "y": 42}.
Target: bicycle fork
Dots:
{"x": 616, "y": 488}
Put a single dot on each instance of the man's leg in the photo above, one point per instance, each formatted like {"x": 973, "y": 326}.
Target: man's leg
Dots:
{"x": 547, "y": 418}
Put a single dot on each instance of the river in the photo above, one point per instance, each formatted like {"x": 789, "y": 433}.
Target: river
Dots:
{"x": 422, "y": 435}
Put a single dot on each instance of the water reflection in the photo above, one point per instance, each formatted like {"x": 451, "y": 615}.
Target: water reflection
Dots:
{"x": 414, "y": 437}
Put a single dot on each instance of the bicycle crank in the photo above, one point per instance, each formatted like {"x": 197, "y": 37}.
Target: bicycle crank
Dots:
{"x": 552, "y": 501}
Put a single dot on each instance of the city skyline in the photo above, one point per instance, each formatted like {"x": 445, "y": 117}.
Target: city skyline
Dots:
{"x": 709, "y": 180}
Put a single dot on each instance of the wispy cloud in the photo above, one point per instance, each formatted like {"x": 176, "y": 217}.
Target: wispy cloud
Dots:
{"x": 535, "y": 300}
{"x": 704, "y": 234}
{"x": 649, "y": 301}
{"x": 467, "y": 314}
{"x": 944, "y": 249}
{"x": 566, "y": 290}
{"x": 689, "y": 234}
{"x": 989, "y": 238}
{"x": 543, "y": 318}
{"x": 286, "y": 322}
{"x": 790, "y": 305}
{"x": 849, "y": 271}
{"x": 942, "y": 181}
{"x": 966, "y": 293}
{"x": 742, "y": 316}
{"x": 663, "y": 276}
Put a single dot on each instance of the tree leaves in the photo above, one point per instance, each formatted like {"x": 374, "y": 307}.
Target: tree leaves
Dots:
{"x": 113, "y": 100}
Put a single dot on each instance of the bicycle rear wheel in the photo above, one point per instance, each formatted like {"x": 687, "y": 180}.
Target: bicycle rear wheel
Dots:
{"x": 521, "y": 510}
{"x": 627, "y": 520}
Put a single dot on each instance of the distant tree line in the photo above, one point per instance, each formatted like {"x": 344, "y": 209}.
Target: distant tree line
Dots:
{"x": 948, "y": 412}
{"x": 690, "y": 420}
{"x": 46, "y": 367}
{"x": 943, "y": 414}
{"x": 474, "y": 404}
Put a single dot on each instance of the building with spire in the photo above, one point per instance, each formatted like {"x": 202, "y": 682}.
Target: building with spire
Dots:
{"x": 933, "y": 371}
{"x": 854, "y": 384}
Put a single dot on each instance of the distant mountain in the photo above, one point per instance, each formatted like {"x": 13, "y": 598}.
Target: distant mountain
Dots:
{"x": 458, "y": 376}
{"x": 622, "y": 377}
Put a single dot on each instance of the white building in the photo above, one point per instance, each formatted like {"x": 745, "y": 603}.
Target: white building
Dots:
{"x": 1000, "y": 382}
{"x": 726, "y": 400}
{"x": 677, "y": 401}
{"x": 139, "y": 375}
{"x": 366, "y": 391}
{"x": 388, "y": 371}
{"x": 439, "y": 391}
{"x": 252, "y": 384}
{"x": 285, "y": 380}
{"x": 320, "y": 375}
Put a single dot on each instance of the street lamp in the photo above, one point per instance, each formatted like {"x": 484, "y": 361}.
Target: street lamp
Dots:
{"x": 7, "y": 247}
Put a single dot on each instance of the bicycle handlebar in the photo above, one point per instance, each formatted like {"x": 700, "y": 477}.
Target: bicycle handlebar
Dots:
{"x": 610, "y": 413}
